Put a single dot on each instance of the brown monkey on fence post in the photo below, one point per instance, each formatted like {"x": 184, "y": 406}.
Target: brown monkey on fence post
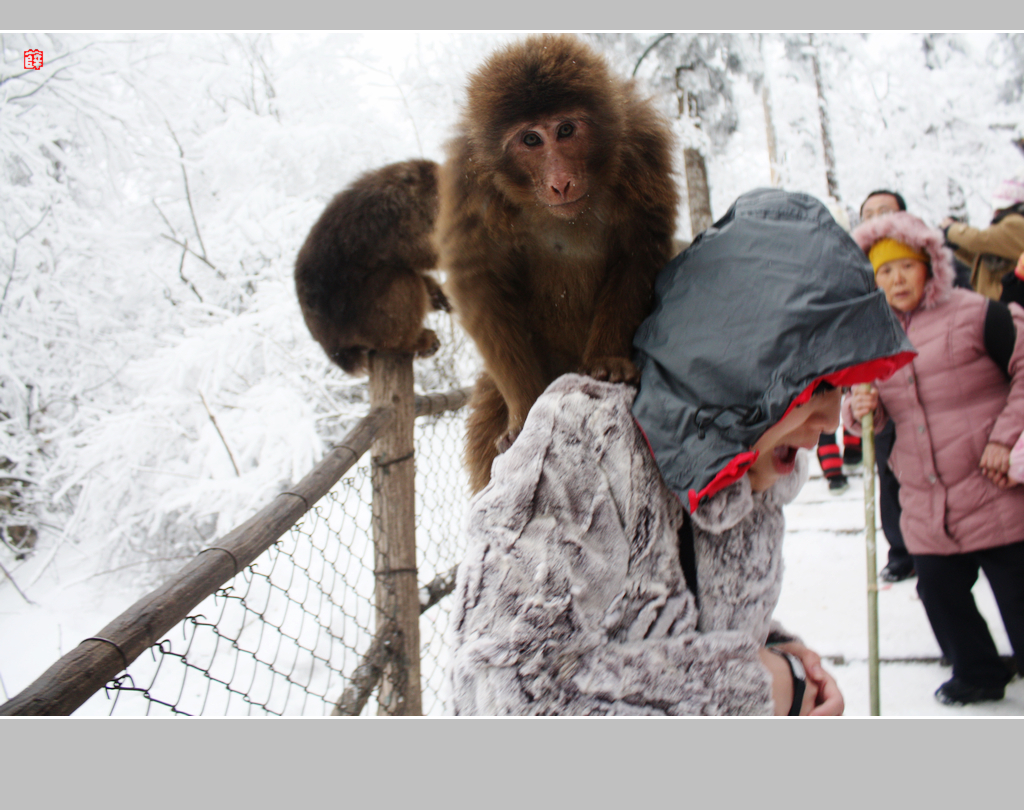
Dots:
{"x": 360, "y": 276}
{"x": 557, "y": 210}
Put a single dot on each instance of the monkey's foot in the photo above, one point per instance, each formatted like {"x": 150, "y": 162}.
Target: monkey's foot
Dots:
{"x": 427, "y": 344}
{"x": 613, "y": 369}
{"x": 507, "y": 440}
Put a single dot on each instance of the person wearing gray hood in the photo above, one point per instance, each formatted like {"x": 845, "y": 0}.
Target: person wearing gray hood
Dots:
{"x": 626, "y": 556}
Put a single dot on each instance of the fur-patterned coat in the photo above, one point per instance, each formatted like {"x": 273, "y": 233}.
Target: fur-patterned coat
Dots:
{"x": 572, "y": 598}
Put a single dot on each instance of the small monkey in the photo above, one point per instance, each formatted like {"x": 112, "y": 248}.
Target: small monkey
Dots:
{"x": 360, "y": 276}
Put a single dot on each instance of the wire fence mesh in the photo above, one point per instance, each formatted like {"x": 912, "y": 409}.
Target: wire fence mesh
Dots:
{"x": 287, "y": 634}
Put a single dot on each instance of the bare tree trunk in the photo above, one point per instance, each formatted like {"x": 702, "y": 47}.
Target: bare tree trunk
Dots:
{"x": 773, "y": 157}
{"x": 394, "y": 530}
{"x": 698, "y": 198}
{"x": 769, "y": 122}
{"x": 826, "y": 133}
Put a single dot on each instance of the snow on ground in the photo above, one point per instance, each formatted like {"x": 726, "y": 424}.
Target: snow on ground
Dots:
{"x": 32, "y": 637}
{"x": 824, "y": 600}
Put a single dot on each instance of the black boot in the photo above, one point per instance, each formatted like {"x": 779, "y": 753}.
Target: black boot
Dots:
{"x": 956, "y": 692}
{"x": 838, "y": 484}
{"x": 898, "y": 570}
{"x": 853, "y": 457}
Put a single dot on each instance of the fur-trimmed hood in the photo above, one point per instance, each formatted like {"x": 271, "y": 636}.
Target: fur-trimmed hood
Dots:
{"x": 910, "y": 230}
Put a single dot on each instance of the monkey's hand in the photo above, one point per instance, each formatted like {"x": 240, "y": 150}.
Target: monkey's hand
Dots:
{"x": 438, "y": 300}
{"x": 613, "y": 369}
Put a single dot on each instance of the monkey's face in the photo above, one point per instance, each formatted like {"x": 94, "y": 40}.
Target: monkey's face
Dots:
{"x": 548, "y": 158}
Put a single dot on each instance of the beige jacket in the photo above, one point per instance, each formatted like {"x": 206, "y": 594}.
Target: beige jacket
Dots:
{"x": 991, "y": 252}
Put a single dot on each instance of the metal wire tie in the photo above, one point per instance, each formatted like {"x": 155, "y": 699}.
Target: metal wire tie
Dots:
{"x": 113, "y": 643}
{"x": 297, "y": 495}
{"x": 395, "y": 571}
{"x": 234, "y": 560}
{"x": 406, "y": 457}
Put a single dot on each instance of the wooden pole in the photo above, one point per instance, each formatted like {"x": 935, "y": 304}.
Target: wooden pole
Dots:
{"x": 393, "y": 473}
{"x": 867, "y": 424}
{"x": 698, "y": 197}
{"x": 433, "y": 404}
{"x": 368, "y": 674}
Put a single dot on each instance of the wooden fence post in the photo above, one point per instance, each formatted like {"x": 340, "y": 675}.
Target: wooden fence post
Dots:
{"x": 393, "y": 472}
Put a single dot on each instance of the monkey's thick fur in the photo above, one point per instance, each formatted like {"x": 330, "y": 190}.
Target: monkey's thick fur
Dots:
{"x": 539, "y": 293}
{"x": 360, "y": 274}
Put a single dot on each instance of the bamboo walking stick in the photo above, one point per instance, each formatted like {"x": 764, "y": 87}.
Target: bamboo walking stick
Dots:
{"x": 867, "y": 424}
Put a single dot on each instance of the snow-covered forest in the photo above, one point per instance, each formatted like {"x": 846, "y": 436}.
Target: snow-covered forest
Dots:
{"x": 157, "y": 382}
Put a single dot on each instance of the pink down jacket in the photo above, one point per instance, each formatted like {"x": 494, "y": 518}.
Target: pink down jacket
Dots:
{"x": 947, "y": 405}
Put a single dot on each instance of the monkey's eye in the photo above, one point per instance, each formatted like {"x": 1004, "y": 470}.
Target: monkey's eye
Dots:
{"x": 566, "y": 130}
{"x": 532, "y": 139}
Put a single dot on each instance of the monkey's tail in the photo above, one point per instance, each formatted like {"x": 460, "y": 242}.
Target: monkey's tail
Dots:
{"x": 486, "y": 424}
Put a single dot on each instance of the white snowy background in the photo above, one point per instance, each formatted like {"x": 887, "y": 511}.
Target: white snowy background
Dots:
{"x": 155, "y": 188}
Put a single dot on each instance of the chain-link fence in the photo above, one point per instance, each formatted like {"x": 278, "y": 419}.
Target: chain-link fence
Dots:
{"x": 299, "y": 630}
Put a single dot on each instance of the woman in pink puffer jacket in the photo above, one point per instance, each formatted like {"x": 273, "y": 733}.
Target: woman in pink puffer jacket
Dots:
{"x": 958, "y": 409}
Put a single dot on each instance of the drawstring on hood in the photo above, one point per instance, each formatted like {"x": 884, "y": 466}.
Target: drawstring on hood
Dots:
{"x": 748, "y": 416}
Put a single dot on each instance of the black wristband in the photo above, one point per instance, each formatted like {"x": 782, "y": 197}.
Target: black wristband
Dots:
{"x": 796, "y": 669}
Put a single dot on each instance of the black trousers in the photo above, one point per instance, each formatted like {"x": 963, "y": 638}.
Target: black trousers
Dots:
{"x": 889, "y": 494}
{"x": 944, "y": 584}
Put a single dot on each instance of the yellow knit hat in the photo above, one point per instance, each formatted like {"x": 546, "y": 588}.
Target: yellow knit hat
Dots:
{"x": 888, "y": 250}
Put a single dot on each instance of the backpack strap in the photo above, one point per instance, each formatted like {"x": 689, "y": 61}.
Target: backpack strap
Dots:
{"x": 1000, "y": 335}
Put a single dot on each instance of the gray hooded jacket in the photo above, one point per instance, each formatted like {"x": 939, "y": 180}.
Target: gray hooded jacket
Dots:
{"x": 770, "y": 300}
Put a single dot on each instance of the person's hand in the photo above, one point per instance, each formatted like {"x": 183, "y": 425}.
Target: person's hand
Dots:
{"x": 863, "y": 400}
{"x": 995, "y": 464}
{"x": 827, "y": 700}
